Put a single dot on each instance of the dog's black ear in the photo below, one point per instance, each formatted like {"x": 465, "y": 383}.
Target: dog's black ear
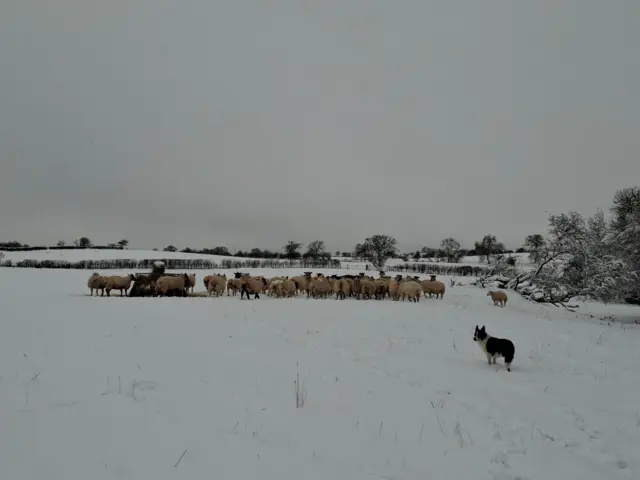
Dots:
{"x": 482, "y": 329}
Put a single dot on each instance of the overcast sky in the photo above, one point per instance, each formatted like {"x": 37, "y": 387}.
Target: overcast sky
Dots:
{"x": 250, "y": 123}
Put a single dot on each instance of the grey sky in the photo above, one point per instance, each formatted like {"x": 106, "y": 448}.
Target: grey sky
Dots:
{"x": 249, "y": 123}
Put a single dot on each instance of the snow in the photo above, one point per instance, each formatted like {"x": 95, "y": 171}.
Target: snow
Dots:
{"x": 107, "y": 388}
{"x": 522, "y": 261}
{"x": 116, "y": 254}
{"x": 108, "y": 254}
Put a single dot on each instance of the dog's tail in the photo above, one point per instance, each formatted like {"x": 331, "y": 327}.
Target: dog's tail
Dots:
{"x": 510, "y": 353}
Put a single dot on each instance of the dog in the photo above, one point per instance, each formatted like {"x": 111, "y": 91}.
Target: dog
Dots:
{"x": 495, "y": 347}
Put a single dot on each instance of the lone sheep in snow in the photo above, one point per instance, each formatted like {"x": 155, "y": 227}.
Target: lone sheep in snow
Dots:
{"x": 498, "y": 297}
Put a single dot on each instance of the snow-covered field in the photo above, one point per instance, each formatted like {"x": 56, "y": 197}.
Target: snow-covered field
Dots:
{"x": 105, "y": 254}
{"x": 522, "y": 259}
{"x": 103, "y": 388}
{"x": 134, "y": 254}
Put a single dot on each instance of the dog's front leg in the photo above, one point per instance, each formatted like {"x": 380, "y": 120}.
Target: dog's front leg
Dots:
{"x": 489, "y": 358}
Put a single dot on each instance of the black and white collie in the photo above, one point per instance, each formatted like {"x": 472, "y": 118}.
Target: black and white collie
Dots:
{"x": 495, "y": 347}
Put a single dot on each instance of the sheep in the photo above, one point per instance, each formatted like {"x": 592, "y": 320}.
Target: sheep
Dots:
{"x": 498, "y": 297}
{"x": 410, "y": 289}
{"x": 356, "y": 287}
{"x": 216, "y": 284}
{"x": 363, "y": 287}
{"x": 319, "y": 287}
{"x": 289, "y": 288}
{"x": 115, "y": 282}
{"x": 336, "y": 286}
{"x": 177, "y": 285}
{"x": 367, "y": 287}
{"x": 433, "y": 287}
{"x": 382, "y": 288}
{"x": 97, "y": 282}
{"x": 394, "y": 285}
{"x": 301, "y": 283}
{"x": 252, "y": 285}
{"x": 275, "y": 287}
{"x": 192, "y": 282}
{"x": 233, "y": 285}
{"x": 264, "y": 282}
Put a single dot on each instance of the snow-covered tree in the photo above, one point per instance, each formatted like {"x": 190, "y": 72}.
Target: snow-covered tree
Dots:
{"x": 579, "y": 259}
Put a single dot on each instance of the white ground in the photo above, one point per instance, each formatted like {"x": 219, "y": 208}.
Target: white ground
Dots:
{"x": 103, "y": 388}
{"x": 104, "y": 254}
{"x": 107, "y": 254}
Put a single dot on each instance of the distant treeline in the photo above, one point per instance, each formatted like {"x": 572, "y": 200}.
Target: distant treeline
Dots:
{"x": 231, "y": 263}
{"x": 170, "y": 264}
{"x": 441, "y": 269}
{"x": 17, "y": 247}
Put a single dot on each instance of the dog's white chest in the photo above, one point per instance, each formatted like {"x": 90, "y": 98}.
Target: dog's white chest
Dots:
{"x": 483, "y": 345}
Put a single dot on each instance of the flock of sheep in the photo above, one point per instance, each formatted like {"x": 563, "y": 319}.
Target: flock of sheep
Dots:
{"x": 315, "y": 286}
{"x": 321, "y": 286}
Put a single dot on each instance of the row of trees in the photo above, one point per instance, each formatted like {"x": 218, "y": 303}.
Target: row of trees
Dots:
{"x": 82, "y": 242}
{"x": 376, "y": 249}
{"x": 171, "y": 264}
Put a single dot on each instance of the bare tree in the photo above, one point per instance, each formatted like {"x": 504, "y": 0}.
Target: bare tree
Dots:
{"x": 451, "y": 249}
{"x": 377, "y": 249}
{"x": 82, "y": 242}
{"x": 488, "y": 247}
{"x": 315, "y": 249}
{"x": 292, "y": 250}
